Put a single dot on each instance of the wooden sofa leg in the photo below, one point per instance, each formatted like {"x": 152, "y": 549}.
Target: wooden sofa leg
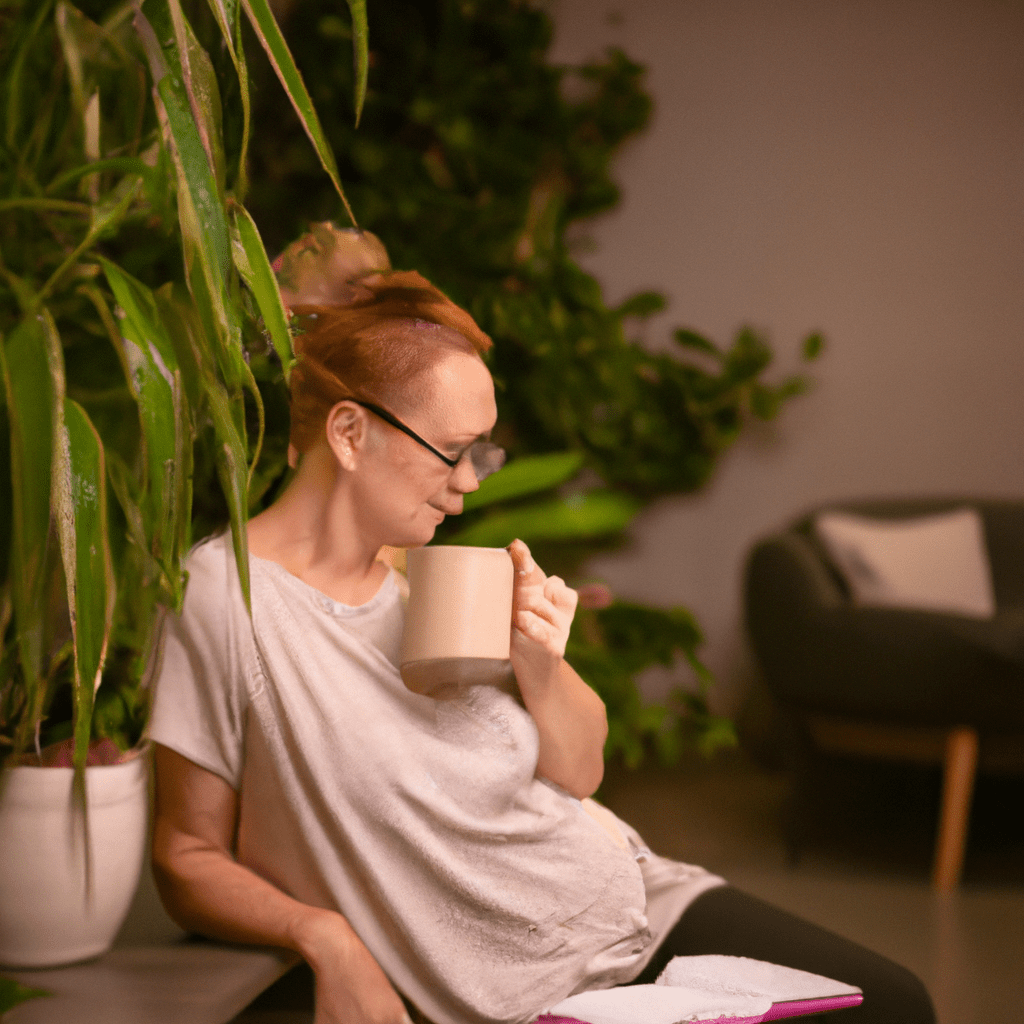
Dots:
{"x": 960, "y": 766}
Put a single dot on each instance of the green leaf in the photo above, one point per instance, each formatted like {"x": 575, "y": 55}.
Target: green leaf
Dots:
{"x": 690, "y": 339}
{"x": 226, "y": 14}
{"x": 525, "y": 476}
{"x": 218, "y": 342}
{"x": 142, "y": 318}
{"x": 643, "y": 304}
{"x": 269, "y": 34}
{"x": 14, "y": 87}
{"x": 125, "y": 489}
{"x": 360, "y": 52}
{"x": 80, "y": 508}
{"x": 80, "y": 40}
{"x": 29, "y": 390}
{"x": 814, "y": 345}
{"x": 180, "y": 319}
{"x": 127, "y": 164}
{"x": 12, "y": 993}
{"x": 579, "y": 517}
{"x": 254, "y": 266}
{"x": 200, "y": 84}
{"x": 151, "y": 369}
{"x": 204, "y": 229}
{"x": 231, "y": 466}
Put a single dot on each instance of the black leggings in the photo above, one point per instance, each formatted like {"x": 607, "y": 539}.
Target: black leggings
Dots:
{"x": 725, "y": 920}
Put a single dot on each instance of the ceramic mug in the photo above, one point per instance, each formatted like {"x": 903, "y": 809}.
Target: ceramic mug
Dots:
{"x": 458, "y": 621}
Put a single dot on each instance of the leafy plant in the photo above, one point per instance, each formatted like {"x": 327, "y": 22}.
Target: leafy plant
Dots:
{"x": 477, "y": 161}
{"x": 13, "y": 993}
{"x": 141, "y": 326}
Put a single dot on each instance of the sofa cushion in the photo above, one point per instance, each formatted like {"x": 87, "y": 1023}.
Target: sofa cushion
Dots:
{"x": 937, "y": 562}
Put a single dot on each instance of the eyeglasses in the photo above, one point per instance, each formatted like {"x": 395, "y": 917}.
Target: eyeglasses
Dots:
{"x": 486, "y": 458}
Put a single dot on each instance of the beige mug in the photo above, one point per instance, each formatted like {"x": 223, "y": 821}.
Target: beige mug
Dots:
{"x": 459, "y": 619}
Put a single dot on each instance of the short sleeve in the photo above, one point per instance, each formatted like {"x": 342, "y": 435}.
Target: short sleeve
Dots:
{"x": 200, "y": 684}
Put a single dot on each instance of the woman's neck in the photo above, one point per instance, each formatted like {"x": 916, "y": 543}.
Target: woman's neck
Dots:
{"x": 311, "y": 531}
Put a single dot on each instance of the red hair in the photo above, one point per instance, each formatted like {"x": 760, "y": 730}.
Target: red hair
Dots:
{"x": 373, "y": 348}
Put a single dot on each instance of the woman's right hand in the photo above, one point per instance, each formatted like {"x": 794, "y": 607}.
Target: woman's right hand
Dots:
{"x": 351, "y": 988}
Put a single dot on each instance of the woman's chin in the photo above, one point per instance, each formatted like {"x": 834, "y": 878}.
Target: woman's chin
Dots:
{"x": 422, "y": 534}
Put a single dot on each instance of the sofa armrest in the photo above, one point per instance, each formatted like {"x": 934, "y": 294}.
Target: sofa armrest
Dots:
{"x": 786, "y": 572}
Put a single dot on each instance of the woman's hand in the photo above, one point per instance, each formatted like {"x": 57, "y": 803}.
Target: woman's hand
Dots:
{"x": 205, "y": 890}
{"x": 542, "y": 610}
{"x": 351, "y": 988}
{"x": 570, "y": 717}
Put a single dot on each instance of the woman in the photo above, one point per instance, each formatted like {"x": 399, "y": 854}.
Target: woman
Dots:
{"x": 306, "y": 799}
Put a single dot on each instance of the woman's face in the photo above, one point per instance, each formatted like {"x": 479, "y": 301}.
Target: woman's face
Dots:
{"x": 408, "y": 490}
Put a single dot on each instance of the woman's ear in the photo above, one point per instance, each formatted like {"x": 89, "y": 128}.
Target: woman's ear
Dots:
{"x": 346, "y": 433}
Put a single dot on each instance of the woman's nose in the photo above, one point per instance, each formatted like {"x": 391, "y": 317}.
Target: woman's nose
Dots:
{"x": 463, "y": 478}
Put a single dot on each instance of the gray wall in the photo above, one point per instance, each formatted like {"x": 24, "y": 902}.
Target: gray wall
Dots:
{"x": 850, "y": 165}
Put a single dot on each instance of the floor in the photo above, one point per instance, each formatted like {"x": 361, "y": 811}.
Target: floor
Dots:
{"x": 850, "y": 850}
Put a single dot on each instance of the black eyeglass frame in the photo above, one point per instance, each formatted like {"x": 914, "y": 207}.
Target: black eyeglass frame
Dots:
{"x": 388, "y": 417}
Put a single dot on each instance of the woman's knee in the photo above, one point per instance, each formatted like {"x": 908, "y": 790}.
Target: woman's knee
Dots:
{"x": 729, "y": 921}
{"x": 896, "y": 997}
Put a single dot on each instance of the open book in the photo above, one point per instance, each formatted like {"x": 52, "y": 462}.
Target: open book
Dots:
{"x": 730, "y": 989}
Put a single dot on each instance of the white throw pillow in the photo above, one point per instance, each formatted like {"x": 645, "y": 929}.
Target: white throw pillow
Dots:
{"x": 938, "y": 562}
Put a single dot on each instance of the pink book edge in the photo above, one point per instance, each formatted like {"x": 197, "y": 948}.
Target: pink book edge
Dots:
{"x": 778, "y": 1011}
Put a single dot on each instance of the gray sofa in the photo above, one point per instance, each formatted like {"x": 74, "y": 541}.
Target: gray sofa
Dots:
{"x": 892, "y": 680}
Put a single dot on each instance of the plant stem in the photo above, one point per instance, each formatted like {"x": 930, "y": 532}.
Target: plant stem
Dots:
{"x": 56, "y": 205}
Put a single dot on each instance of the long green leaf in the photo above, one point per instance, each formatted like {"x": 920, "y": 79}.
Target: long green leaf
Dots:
{"x": 226, "y": 14}
{"x": 205, "y": 236}
{"x": 580, "y": 517}
{"x": 180, "y": 320}
{"x": 218, "y": 339}
{"x": 231, "y": 465}
{"x": 269, "y": 34}
{"x": 80, "y": 40}
{"x": 360, "y": 52}
{"x": 28, "y": 386}
{"x": 80, "y": 505}
{"x": 254, "y": 266}
{"x": 200, "y": 82}
{"x": 14, "y": 87}
{"x": 525, "y": 476}
{"x": 126, "y": 491}
{"x": 127, "y": 164}
{"x": 197, "y": 177}
{"x": 155, "y": 381}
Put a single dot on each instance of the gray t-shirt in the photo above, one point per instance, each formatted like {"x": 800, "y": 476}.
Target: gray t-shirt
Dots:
{"x": 486, "y": 893}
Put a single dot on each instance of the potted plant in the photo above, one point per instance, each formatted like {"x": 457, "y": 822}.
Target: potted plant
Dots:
{"x": 140, "y": 324}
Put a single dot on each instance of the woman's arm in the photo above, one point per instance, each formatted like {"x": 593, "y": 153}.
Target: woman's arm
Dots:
{"x": 205, "y": 890}
{"x": 570, "y": 716}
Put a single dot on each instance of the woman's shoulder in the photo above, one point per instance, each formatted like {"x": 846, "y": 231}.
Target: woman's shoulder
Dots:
{"x": 212, "y": 573}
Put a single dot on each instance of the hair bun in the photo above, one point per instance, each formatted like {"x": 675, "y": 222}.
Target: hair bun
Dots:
{"x": 325, "y": 266}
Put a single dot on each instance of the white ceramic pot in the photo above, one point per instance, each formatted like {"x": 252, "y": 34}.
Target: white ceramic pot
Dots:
{"x": 48, "y": 915}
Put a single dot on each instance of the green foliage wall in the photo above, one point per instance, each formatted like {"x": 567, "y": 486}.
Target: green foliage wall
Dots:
{"x": 476, "y": 162}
